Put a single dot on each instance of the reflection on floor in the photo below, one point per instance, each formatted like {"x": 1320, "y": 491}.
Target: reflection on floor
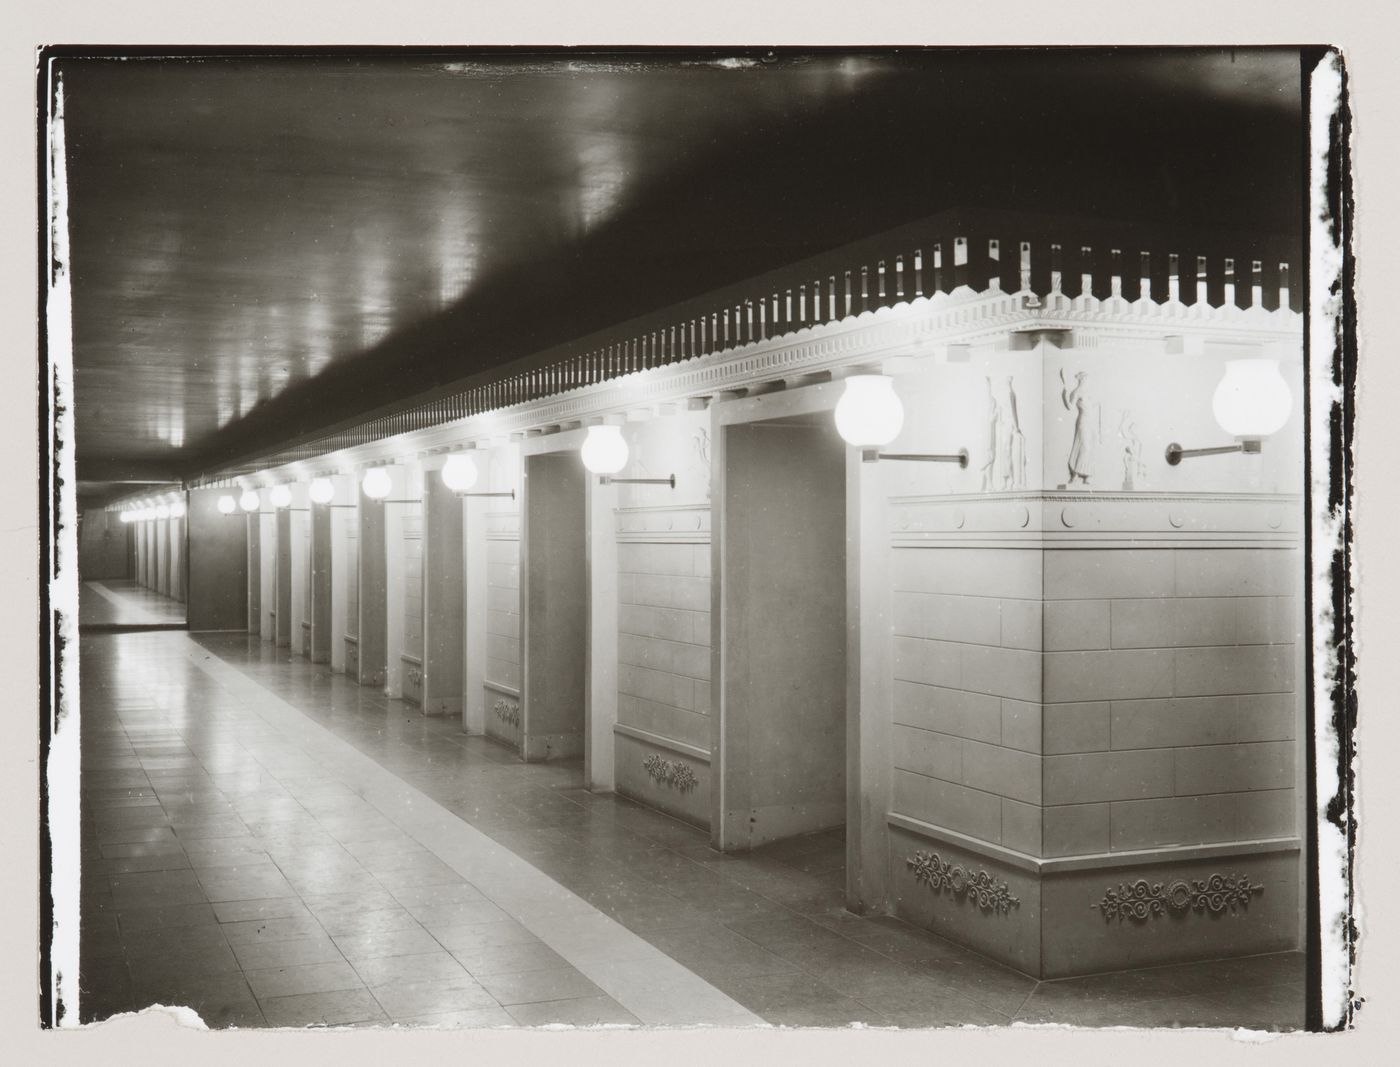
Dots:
{"x": 120, "y": 602}
{"x": 231, "y": 865}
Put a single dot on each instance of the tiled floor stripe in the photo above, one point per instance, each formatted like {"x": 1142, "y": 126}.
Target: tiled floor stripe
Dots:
{"x": 649, "y": 984}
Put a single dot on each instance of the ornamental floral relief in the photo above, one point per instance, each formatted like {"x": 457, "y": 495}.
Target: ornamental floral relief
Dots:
{"x": 1143, "y": 900}
{"x": 977, "y": 887}
{"x": 507, "y": 711}
{"x": 670, "y": 772}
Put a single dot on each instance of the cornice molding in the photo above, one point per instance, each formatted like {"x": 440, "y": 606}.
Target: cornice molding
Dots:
{"x": 1094, "y": 862}
{"x": 646, "y": 737}
{"x": 913, "y": 327}
{"x": 1067, "y": 519}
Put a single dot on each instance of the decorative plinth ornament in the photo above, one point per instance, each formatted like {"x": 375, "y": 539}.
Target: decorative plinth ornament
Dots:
{"x": 508, "y": 711}
{"x": 979, "y": 887}
{"x": 1143, "y": 900}
{"x": 670, "y": 772}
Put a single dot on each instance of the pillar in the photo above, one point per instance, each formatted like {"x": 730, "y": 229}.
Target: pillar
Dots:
{"x": 373, "y": 593}
{"x": 266, "y": 518}
{"x": 150, "y": 531}
{"x": 253, "y": 522}
{"x": 491, "y": 564}
{"x": 868, "y": 685}
{"x": 162, "y": 554}
{"x": 1094, "y": 716}
{"x": 599, "y": 753}
{"x": 474, "y": 604}
{"x": 283, "y": 578}
{"x": 141, "y": 557}
{"x": 301, "y": 569}
{"x": 177, "y": 557}
{"x": 320, "y": 519}
{"x": 443, "y": 607}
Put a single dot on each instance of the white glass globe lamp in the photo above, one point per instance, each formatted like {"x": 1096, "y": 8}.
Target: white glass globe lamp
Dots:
{"x": 322, "y": 491}
{"x": 377, "y": 483}
{"x": 604, "y": 450}
{"x": 869, "y": 414}
{"x": 1252, "y": 400}
{"x": 226, "y": 505}
{"x": 250, "y": 501}
{"x": 459, "y": 472}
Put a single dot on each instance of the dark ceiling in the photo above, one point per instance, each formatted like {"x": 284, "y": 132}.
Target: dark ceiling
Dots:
{"x": 262, "y": 246}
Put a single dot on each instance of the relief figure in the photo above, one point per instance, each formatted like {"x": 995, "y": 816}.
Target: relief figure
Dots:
{"x": 1086, "y": 427}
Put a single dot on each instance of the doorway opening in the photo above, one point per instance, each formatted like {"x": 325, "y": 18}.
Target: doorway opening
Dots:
{"x": 782, "y": 731}
{"x": 554, "y": 606}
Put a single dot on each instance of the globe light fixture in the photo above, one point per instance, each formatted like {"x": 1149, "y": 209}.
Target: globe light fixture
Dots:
{"x": 604, "y": 452}
{"x": 177, "y": 509}
{"x": 459, "y": 472}
{"x": 163, "y": 511}
{"x": 869, "y": 415}
{"x": 250, "y": 501}
{"x": 322, "y": 491}
{"x": 377, "y": 483}
{"x": 281, "y": 496}
{"x": 226, "y": 505}
{"x": 1251, "y": 402}
{"x": 126, "y": 516}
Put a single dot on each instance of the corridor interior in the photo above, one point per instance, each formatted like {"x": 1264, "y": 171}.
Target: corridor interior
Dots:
{"x": 118, "y": 603}
{"x": 272, "y": 845}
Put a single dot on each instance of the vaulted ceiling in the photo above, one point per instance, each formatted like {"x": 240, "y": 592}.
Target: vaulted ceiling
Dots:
{"x": 265, "y": 245}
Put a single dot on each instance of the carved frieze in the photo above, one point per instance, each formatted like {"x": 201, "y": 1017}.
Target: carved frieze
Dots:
{"x": 978, "y": 887}
{"x": 670, "y": 772}
{"x": 666, "y": 523}
{"x": 1004, "y": 454}
{"x": 1143, "y": 900}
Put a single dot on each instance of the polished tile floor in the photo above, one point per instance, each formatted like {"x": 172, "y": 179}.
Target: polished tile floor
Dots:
{"x": 348, "y": 861}
{"x": 121, "y": 602}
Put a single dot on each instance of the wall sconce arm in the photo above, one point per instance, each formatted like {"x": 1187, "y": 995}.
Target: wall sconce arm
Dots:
{"x": 1175, "y": 453}
{"x": 608, "y": 479}
{"x": 871, "y": 455}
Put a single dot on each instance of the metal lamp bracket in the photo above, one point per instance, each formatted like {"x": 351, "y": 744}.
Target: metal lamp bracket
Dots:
{"x": 872, "y": 455}
{"x": 608, "y": 479}
{"x": 1175, "y": 453}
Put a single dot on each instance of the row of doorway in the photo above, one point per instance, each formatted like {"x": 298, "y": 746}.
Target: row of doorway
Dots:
{"x": 778, "y": 707}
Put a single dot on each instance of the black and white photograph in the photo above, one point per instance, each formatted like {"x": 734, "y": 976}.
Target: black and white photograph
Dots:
{"x": 671, "y": 537}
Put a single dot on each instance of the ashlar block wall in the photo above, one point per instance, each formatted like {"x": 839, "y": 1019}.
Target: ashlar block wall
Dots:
{"x": 503, "y": 661}
{"x": 1170, "y": 711}
{"x": 663, "y": 729}
{"x": 412, "y": 655}
{"x": 967, "y": 713}
{"x": 1095, "y": 679}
